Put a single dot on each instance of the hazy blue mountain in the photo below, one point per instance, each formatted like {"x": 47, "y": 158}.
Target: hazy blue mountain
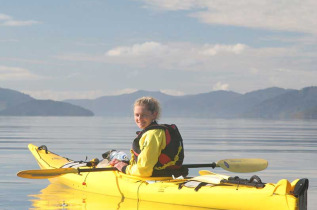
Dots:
{"x": 190, "y": 105}
{"x": 200, "y": 105}
{"x": 221, "y": 104}
{"x": 45, "y": 108}
{"x": 9, "y": 98}
{"x": 292, "y": 104}
{"x": 277, "y": 103}
{"x": 121, "y": 105}
{"x": 14, "y": 103}
{"x": 247, "y": 101}
{"x": 270, "y": 103}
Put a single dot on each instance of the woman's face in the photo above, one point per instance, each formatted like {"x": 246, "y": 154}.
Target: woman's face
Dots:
{"x": 143, "y": 117}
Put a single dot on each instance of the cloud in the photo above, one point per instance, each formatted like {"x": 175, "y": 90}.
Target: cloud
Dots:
{"x": 225, "y": 66}
{"x": 173, "y": 92}
{"x": 253, "y": 70}
{"x": 215, "y": 49}
{"x": 23, "y": 60}
{"x": 123, "y": 91}
{"x": 6, "y": 20}
{"x": 4, "y": 17}
{"x": 185, "y": 56}
{"x": 220, "y": 86}
{"x": 145, "y": 48}
{"x": 171, "y": 5}
{"x": 63, "y": 95}
{"x": 16, "y": 73}
{"x": 292, "y": 15}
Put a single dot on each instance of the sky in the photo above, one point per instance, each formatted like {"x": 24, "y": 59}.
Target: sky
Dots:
{"x": 73, "y": 49}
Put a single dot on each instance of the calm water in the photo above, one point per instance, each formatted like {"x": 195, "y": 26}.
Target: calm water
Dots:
{"x": 289, "y": 146}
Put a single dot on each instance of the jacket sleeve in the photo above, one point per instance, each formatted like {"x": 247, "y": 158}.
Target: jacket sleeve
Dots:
{"x": 152, "y": 143}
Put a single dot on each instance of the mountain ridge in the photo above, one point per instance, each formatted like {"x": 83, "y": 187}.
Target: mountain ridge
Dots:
{"x": 215, "y": 104}
{"x": 269, "y": 103}
{"x": 14, "y": 103}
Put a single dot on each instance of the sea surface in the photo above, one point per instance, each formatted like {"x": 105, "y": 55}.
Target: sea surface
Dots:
{"x": 289, "y": 146}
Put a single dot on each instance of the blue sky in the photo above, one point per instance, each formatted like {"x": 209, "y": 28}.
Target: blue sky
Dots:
{"x": 66, "y": 49}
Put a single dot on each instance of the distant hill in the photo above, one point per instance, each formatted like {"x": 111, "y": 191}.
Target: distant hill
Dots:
{"x": 290, "y": 105}
{"x": 121, "y": 105}
{"x": 9, "y": 98}
{"x": 14, "y": 103}
{"x": 190, "y": 105}
{"x": 201, "y": 105}
{"x": 270, "y": 103}
{"x": 241, "y": 105}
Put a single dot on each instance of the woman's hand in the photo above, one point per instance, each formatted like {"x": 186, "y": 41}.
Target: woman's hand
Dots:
{"x": 118, "y": 164}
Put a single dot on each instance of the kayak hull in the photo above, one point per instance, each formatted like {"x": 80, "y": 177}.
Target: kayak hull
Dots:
{"x": 277, "y": 196}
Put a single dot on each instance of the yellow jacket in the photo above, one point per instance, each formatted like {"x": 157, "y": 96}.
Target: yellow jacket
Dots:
{"x": 151, "y": 144}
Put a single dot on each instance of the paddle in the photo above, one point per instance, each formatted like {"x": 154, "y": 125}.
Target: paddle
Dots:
{"x": 246, "y": 165}
{"x": 242, "y": 165}
{"x": 51, "y": 173}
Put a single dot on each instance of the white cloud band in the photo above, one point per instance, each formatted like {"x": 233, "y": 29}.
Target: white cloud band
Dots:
{"x": 291, "y": 15}
{"x": 16, "y": 73}
{"x": 6, "y": 20}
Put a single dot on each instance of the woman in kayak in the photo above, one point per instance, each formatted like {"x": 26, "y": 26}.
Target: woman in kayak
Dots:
{"x": 158, "y": 149}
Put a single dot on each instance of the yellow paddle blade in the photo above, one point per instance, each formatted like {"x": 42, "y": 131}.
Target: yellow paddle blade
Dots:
{"x": 244, "y": 165}
{"x": 205, "y": 172}
{"x": 46, "y": 173}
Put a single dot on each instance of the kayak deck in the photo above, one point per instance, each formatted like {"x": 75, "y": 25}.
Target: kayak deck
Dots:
{"x": 208, "y": 190}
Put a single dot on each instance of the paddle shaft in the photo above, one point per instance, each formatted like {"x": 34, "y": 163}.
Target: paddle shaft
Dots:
{"x": 79, "y": 170}
{"x": 212, "y": 165}
{"x": 207, "y": 165}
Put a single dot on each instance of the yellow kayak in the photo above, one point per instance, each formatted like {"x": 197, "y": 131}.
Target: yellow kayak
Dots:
{"x": 209, "y": 190}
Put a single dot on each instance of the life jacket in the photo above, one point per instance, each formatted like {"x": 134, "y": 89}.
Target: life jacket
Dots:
{"x": 172, "y": 155}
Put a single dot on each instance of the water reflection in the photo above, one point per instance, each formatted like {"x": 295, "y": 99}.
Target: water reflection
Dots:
{"x": 56, "y": 196}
